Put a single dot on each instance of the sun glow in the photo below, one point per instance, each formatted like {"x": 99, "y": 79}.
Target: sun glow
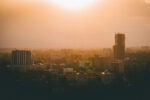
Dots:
{"x": 73, "y": 4}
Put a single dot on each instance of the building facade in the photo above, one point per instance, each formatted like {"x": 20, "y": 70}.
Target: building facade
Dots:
{"x": 21, "y": 57}
{"x": 118, "y": 66}
{"x": 119, "y": 47}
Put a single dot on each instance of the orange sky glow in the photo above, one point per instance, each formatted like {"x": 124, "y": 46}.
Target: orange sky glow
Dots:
{"x": 73, "y": 23}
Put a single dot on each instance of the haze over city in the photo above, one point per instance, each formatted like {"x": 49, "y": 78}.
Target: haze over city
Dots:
{"x": 49, "y": 24}
{"x": 74, "y": 49}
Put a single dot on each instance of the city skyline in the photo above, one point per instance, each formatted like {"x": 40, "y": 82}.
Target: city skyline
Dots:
{"x": 74, "y": 49}
{"x": 45, "y": 25}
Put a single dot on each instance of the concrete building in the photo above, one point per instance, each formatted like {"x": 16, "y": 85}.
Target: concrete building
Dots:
{"x": 118, "y": 66}
{"x": 107, "y": 77}
{"x": 119, "y": 47}
{"x": 100, "y": 63}
{"x": 21, "y": 57}
{"x": 68, "y": 70}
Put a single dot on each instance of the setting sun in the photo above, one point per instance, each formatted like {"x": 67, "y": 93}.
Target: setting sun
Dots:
{"x": 72, "y": 4}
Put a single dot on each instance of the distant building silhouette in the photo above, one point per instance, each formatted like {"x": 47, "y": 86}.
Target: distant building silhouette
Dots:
{"x": 21, "y": 57}
{"x": 107, "y": 52}
{"x": 119, "y": 47}
{"x": 118, "y": 66}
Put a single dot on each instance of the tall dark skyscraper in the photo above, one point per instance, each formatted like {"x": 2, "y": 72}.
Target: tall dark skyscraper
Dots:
{"x": 119, "y": 47}
{"x": 21, "y": 57}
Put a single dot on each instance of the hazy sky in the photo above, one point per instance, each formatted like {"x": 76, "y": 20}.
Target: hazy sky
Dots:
{"x": 26, "y": 24}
